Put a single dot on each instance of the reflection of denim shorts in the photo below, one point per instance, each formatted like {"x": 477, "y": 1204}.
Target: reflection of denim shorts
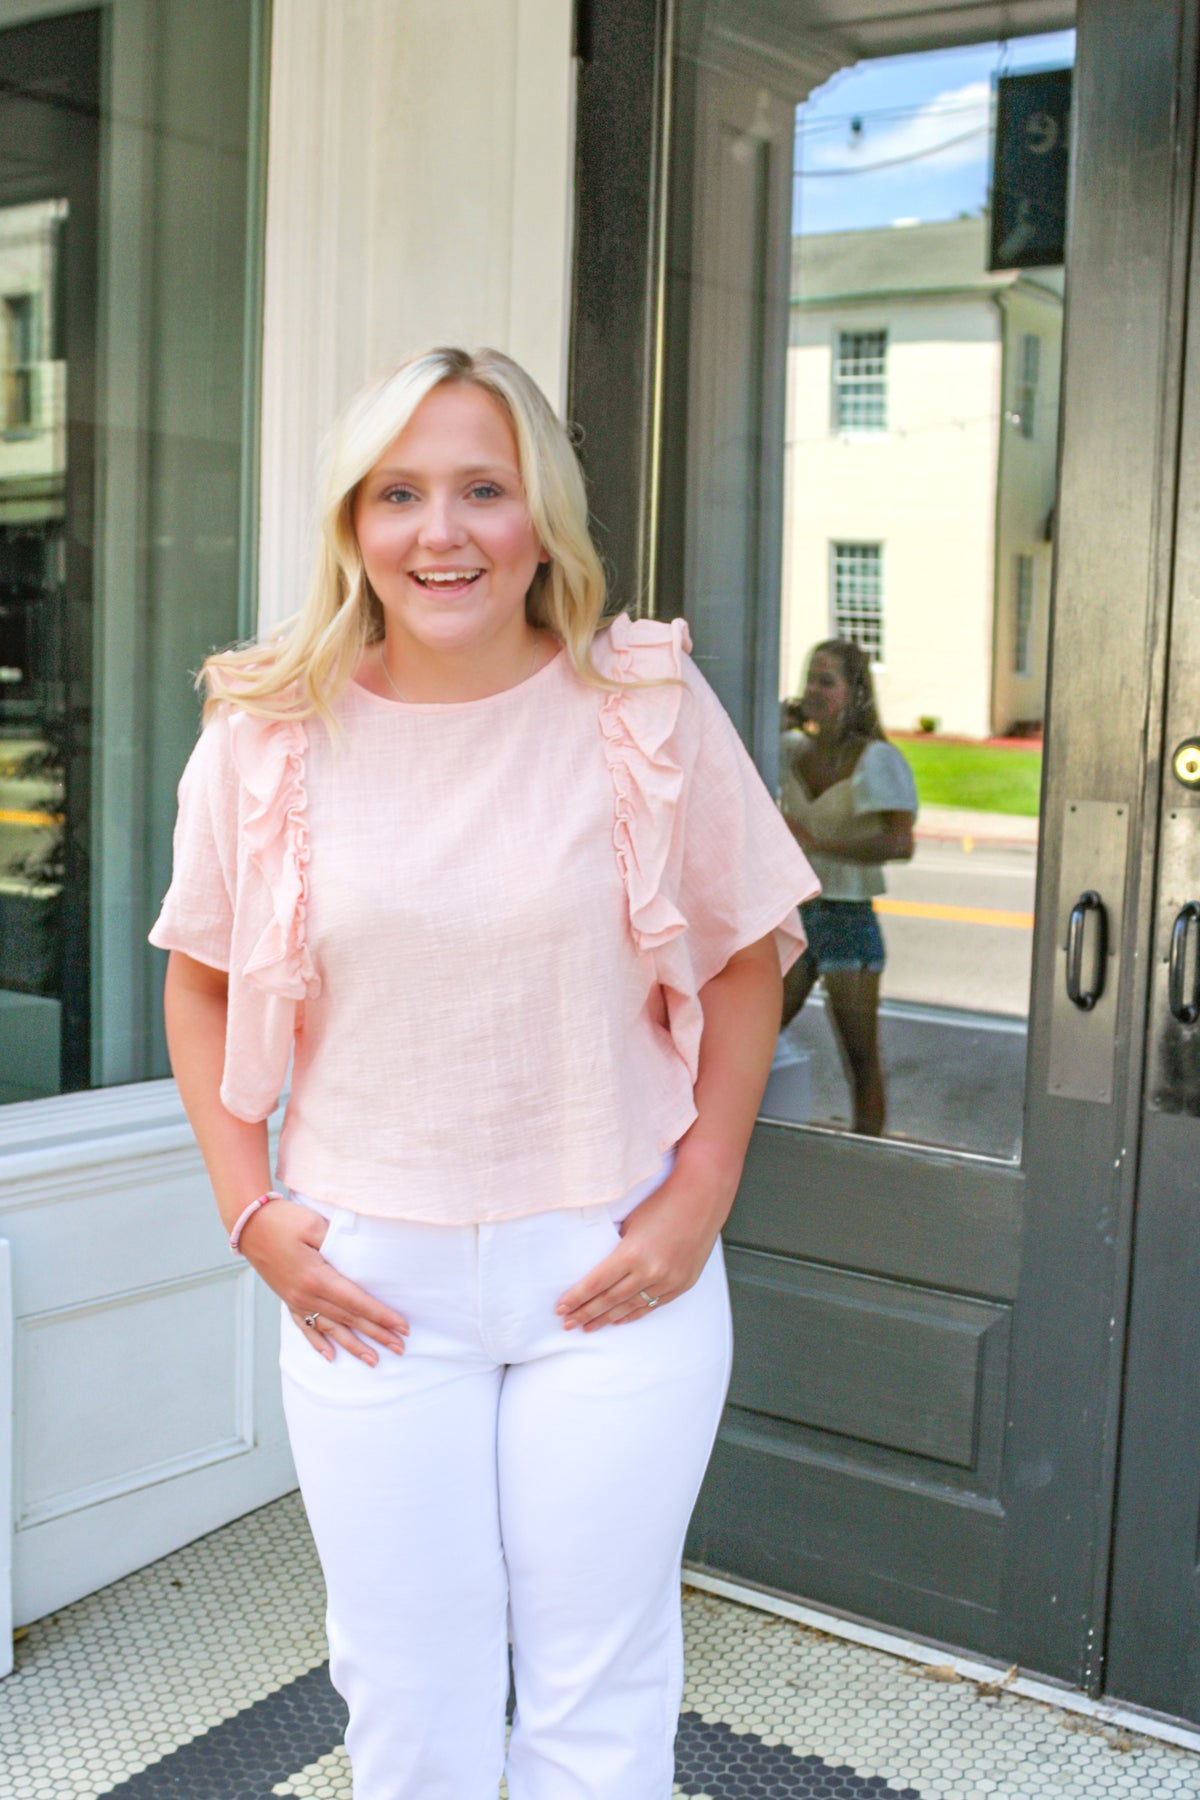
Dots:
{"x": 843, "y": 937}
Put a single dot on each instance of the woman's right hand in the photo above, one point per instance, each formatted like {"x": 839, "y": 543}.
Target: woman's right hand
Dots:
{"x": 282, "y": 1242}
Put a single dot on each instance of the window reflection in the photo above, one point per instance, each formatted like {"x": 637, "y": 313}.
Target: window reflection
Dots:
{"x": 917, "y": 523}
{"x": 850, "y": 799}
{"x": 127, "y": 291}
{"x": 33, "y": 467}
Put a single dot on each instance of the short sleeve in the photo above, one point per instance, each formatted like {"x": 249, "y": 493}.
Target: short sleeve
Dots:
{"x": 883, "y": 781}
{"x": 742, "y": 874}
{"x": 197, "y": 913}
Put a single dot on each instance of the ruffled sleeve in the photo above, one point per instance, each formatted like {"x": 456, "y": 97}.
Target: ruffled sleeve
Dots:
{"x": 709, "y": 865}
{"x": 269, "y": 758}
{"x": 238, "y": 898}
{"x": 197, "y": 913}
{"x": 640, "y": 730}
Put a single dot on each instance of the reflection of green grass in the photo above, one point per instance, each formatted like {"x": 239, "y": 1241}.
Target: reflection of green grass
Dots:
{"x": 981, "y": 777}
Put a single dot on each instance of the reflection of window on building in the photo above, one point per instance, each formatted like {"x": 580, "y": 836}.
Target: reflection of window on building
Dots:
{"x": 1028, "y": 368}
{"x": 860, "y": 381}
{"x": 858, "y": 596}
{"x": 1023, "y": 631}
{"x": 20, "y": 359}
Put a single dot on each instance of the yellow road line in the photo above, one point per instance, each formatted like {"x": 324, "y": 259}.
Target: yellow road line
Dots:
{"x": 960, "y": 915}
{"x": 13, "y": 816}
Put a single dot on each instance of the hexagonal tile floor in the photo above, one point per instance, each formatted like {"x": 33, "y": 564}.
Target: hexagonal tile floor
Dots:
{"x": 203, "y": 1678}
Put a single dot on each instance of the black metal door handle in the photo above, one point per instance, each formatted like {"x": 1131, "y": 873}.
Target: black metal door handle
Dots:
{"x": 1186, "y": 1011}
{"x": 1088, "y": 902}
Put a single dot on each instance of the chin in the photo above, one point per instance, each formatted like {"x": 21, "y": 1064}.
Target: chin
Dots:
{"x": 452, "y": 632}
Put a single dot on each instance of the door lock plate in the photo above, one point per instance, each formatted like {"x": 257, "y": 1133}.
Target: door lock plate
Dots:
{"x": 1082, "y": 1041}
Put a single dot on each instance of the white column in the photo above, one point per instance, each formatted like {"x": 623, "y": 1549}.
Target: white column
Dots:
{"x": 419, "y": 191}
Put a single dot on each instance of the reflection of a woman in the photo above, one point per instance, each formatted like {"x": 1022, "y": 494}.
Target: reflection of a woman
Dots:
{"x": 850, "y": 800}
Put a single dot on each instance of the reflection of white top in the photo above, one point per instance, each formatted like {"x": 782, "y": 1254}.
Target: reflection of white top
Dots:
{"x": 881, "y": 782}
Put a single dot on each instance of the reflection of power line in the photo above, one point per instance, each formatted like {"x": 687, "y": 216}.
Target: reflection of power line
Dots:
{"x": 893, "y": 162}
{"x": 837, "y": 121}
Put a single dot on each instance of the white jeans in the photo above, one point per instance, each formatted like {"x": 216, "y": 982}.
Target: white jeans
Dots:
{"x": 505, "y": 1474}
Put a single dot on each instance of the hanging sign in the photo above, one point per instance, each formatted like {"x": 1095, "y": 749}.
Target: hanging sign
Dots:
{"x": 1029, "y": 169}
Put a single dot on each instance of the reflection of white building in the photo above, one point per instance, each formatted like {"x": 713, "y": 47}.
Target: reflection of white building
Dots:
{"x": 32, "y": 381}
{"x": 922, "y": 424}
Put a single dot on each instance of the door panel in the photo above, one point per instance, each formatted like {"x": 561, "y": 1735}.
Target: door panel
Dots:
{"x": 975, "y": 1507}
{"x": 873, "y": 1291}
{"x": 1134, "y": 123}
{"x": 881, "y": 1362}
{"x": 861, "y": 1462}
{"x": 922, "y": 1426}
{"x": 897, "y": 1211}
{"x": 1154, "y": 1642}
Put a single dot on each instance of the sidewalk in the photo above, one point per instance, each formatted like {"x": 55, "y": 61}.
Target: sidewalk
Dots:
{"x": 946, "y": 824}
{"x": 203, "y": 1678}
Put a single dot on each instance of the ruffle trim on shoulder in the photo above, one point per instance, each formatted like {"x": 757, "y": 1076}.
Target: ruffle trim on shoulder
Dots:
{"x": 268, "y": 755}
{"x": 637, "y": 725}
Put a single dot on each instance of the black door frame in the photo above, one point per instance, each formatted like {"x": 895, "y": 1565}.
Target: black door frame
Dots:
{"x": 1134, "y": 122}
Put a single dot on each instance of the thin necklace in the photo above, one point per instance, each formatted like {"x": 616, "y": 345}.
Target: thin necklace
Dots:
{"x": 387, "y": 673}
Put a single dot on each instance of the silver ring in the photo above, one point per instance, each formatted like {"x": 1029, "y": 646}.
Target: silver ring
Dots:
{"x": 643, "y": 1295}
{"x": 310, "y": 1319}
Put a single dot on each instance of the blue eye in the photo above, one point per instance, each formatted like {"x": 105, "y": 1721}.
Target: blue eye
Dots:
{"x": 398, "y": 494}
{"x": 485, "y": 490}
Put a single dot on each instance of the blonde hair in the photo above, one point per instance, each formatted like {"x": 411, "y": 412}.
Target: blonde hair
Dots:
{"x": 306, "y": 663}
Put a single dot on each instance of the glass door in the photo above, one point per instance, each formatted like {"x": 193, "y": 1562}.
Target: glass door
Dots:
{"x": 881, "y": 418}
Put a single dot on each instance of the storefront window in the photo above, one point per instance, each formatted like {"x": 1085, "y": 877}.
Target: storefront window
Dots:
{"x": 129, "y": 247}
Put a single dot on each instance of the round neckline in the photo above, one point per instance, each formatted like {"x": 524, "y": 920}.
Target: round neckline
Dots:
{"x": 404, "y": 708}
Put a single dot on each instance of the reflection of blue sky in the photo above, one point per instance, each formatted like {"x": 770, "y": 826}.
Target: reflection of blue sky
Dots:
{"x": 925, "y": 116}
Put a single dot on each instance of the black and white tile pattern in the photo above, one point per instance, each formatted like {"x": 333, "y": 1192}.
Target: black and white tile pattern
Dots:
{"x": 204, "y": 1678}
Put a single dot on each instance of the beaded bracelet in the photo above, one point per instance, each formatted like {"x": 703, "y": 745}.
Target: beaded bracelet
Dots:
{"x": 240, "y": 1223}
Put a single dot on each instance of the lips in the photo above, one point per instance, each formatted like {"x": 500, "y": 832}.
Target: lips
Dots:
{"x": 445, "y": 581}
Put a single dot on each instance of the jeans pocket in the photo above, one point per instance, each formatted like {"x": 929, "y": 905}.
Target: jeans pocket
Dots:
{"x": 334, "y": 1234}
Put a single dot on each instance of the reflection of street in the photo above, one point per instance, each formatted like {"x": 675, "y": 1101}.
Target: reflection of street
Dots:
{"x": 956, "y": 994}
{"x": 954, "y": 1078}
{"x": 974, "y": 950}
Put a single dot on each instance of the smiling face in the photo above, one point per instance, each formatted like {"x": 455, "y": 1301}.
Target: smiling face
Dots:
{"x": 444, "y": 531}
{"x": 826, "y": 690}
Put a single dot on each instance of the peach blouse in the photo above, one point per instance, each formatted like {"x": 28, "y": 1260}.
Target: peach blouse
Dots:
{"x": 483, "y": 926}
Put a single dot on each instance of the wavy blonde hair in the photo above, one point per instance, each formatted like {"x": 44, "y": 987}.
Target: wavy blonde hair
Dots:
{"x": 303, "y": 666}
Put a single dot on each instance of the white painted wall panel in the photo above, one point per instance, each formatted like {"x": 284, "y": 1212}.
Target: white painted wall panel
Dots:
{"x": 419, "y": 191}
{"x": 167, "y": 1410}
{"x": 147, "y": 1407}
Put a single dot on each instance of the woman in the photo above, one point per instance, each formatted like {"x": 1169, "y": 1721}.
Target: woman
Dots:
{"x": 850, "y": 800}
{"x": 514, "y": 900}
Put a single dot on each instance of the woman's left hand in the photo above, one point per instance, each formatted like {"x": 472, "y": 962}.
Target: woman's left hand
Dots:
{"x": 665, "y": 1243}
